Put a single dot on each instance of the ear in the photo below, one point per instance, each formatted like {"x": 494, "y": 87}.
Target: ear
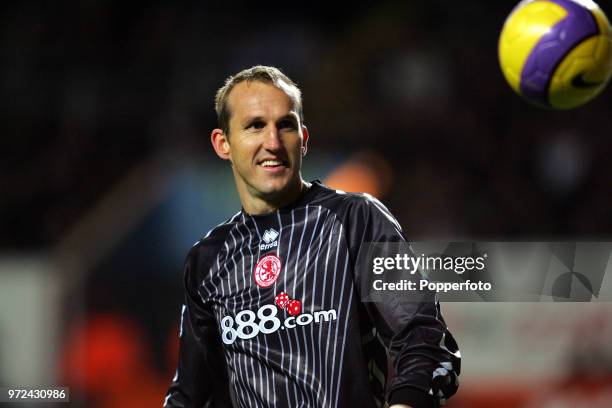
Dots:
{"x": 220, "y": 143}
{"x": 305, "y": 137}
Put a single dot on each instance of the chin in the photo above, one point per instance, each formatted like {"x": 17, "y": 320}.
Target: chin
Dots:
{"x": 273, "y": 190}
{"x": 274, "y": 187}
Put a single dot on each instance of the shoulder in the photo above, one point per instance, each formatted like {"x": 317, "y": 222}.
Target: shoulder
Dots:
{"x": 355, "y": 205}
{"x": 205, "y": 251}
{"x": 337, "y": 199}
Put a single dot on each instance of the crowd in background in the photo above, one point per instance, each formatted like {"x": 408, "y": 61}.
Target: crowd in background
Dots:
{"x": 91, "y": 89}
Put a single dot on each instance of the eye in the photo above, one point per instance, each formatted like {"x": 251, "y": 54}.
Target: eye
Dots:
{"x": 256, "y": 124}
{"x": 287, "y": 124}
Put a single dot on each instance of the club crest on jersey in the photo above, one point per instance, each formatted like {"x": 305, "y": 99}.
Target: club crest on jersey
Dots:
{"x": 267, "y": 270}
{"x": 269, "y": 238}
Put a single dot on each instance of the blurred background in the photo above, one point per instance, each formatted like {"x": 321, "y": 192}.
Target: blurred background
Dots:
{"x": 107, "y": 178}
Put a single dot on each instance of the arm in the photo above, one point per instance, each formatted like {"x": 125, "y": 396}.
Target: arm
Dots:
{"x": 424, "y": 360}
{"x": 201, "y": 377}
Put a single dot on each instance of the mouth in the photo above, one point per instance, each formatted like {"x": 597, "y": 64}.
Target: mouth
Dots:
{"x": 273, "y": 164}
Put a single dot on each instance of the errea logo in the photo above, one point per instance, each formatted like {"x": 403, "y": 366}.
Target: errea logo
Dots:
{"x": 269, "y": 237}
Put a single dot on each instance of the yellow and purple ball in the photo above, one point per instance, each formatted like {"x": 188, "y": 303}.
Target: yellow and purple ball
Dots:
{"x": 556, "y": 53}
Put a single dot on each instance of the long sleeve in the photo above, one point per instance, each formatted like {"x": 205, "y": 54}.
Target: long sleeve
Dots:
{"x": 201, "y": 375}
{"x": 424, "y": 360}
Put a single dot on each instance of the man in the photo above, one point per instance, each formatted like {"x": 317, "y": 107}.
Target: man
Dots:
{"x": 273, "y": 315}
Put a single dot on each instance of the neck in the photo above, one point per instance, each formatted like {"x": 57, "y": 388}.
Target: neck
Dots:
{"x": 257, "y": 204}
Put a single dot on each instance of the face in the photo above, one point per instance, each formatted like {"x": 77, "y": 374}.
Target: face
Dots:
{"x": 264, "y": 143}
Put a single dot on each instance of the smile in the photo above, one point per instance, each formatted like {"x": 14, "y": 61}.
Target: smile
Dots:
{"x": 273, "y": 163}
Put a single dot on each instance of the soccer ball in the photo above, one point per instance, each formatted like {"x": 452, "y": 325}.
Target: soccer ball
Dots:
{"x": 556, "y": 53}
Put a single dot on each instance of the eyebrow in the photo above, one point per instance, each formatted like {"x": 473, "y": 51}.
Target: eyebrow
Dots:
{"x": 251, "y": 119}
{"x": 289, "y": 116}
{"x": 292, "y": 116}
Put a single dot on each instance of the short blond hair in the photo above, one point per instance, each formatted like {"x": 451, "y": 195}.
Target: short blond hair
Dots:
{"x": 261, "y": 73}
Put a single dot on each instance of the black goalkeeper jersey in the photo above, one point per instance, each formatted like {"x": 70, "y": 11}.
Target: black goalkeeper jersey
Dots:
{"x": 273, "y": 315}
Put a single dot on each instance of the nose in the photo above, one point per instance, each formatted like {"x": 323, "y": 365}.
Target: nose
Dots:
{"x": 272, "y": 139}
